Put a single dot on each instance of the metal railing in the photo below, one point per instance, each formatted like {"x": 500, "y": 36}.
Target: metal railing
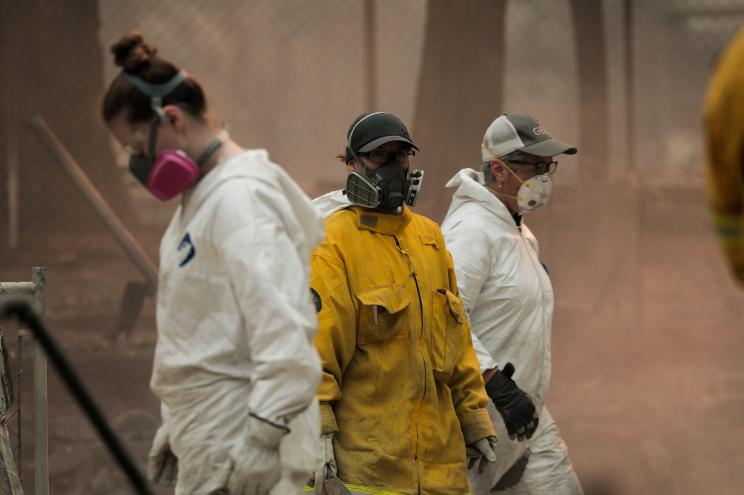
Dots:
{"x": 36, "y": 289}
{"x": 23, "y": 312}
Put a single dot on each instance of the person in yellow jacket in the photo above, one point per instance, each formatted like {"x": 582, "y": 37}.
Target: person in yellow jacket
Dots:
{"x": 401, "y": 393}
{"x": 724, "y": 140}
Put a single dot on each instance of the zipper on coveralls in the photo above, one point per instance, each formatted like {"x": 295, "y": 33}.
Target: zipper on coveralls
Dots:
{"x": 537, "y": 266}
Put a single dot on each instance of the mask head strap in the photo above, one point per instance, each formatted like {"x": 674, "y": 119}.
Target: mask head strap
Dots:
{"x": 509, "y": 169}
{"x": 512, "y": 172}
{"x": 351, "y": 150}
{"x": 213, "y": 146}
{"x": 156, "y": 92}
{"x": 498, "y": 193}
{"x": 153, "y": 136}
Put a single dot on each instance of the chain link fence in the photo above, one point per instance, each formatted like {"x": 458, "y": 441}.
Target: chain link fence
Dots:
{"x": 287, "y": 76}
{"x": 290, "y": 76}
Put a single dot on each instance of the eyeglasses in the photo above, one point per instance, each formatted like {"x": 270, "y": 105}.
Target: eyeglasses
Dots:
{"x": 540, "y": 167}
{"x": 381, "y": 156}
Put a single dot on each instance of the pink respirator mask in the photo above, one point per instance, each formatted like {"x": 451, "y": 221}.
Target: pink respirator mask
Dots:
{"x": 171, "y": 171}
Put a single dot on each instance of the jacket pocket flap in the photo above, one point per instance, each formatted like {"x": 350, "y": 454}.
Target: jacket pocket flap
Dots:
{"x": 429, "y": 240}
{"x": 391, "y": 297}
{"x": 455, "y": 305}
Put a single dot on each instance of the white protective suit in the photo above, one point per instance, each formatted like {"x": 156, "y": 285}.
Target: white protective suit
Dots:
{"x": 331, "y": 202}
{"x": 236, "y": 322}
{"x": 509, "y": 299}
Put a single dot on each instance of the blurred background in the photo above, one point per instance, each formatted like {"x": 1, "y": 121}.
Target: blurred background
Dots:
{"x": 648, "y": 380}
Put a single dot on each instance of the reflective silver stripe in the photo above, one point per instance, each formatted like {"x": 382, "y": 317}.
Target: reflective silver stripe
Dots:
{"x": 360, "y": 490}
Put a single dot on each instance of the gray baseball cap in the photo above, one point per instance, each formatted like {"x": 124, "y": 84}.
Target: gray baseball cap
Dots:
{"x": 517, "y": 132}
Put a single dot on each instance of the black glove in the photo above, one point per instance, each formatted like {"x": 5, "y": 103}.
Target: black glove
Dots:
{"x": 513, "y": 403}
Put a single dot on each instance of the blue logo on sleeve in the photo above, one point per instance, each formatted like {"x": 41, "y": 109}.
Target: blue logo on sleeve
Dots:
{"x": 187, "y": 245}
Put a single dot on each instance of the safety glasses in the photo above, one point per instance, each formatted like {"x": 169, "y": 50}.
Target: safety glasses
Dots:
{"x": 540, "y": 167}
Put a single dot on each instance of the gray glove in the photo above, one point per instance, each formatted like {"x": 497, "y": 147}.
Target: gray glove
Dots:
{"x": 258, "y": 469}
{"x": 326, "y": 463}
{"x": 162, "y": 464}
{"x": 485, "y": 448}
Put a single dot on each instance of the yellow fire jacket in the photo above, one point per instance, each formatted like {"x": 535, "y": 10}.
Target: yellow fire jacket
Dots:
{"x": 401, "y": 385}
{"x": 724, "y": 140}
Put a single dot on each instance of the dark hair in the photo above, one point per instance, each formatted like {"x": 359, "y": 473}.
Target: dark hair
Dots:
{"x": 140, "y": 59}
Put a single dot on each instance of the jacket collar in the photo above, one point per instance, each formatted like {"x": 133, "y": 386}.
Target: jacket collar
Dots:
{"x": 382, "y": 223}
{"x": 471, "y": 187}
{"x": 194, "y": 197}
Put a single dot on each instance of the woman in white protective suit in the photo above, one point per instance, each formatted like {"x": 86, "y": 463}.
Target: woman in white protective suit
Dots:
{"x": 235, "y": 366}
{"x": 507, "y": 294}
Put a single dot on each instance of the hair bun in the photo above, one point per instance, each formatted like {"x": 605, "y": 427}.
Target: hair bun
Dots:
{"x": 131, "y": 51}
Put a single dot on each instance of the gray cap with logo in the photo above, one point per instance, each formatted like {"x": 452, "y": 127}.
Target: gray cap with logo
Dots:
{"x": 517, "y": 132}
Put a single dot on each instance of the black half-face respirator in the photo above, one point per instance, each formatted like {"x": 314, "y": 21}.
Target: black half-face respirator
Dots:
{"x": 388, "y": 187}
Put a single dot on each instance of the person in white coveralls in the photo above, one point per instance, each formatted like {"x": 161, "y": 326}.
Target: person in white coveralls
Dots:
{"x": 508, "y": 296}
{"x": 235, "y": 367}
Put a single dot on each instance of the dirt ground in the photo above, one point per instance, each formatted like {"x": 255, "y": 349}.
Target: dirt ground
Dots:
{"x": 648, "y": 380}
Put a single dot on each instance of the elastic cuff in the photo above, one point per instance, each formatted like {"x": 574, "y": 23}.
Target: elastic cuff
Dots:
{"x": 476, "y": 425}
{"x": 265, "y": 433}
{"x": 275, "y": 423}
{"x": 327, "y": 418}
{"x": 488, "y": 374}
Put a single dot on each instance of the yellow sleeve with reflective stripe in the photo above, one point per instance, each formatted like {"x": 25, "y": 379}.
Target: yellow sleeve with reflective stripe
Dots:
{"x": 466, "y": 384}
{"x": 724, "y": 142}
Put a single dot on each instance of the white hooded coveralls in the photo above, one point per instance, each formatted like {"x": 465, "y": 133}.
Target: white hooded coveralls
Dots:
{"x": 236, "y": 322}
{"x": 508, "y": 296}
